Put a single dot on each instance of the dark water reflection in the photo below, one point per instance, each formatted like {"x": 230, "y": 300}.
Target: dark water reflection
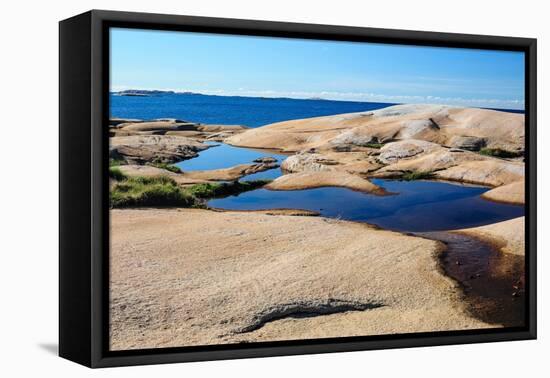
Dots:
{"x": 492, "y": 282}
{"x": 417, "y": 206}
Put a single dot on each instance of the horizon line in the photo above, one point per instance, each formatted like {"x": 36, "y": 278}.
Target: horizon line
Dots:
{"x": 510, "y": 104}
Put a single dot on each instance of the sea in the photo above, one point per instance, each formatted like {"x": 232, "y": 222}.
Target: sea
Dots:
{"x": 232, "y": 110}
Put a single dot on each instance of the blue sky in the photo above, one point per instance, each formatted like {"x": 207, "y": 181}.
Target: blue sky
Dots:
{"x": 279, "y": 67}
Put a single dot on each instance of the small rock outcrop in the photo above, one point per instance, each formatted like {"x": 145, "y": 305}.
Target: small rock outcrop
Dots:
{"x": 353, "y": 137}
{"x": 308, "y": 162}
{"x": 265, "y": 159}
{"x": 469, "y": 143}
{"x": 425, "y": 129}
{"x": 311, "y": 179}
{"x": 141, "y": 149}
{"x": 229, "y": 174}
{"x": 513, "y": 193}
{"x": 392, "y": 152}
{"x": 171, "y": 126}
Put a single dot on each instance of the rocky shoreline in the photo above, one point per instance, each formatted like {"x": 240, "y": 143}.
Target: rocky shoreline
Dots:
{"x": 194, "y": 277}
{"x": 442, "y": 142}
{"x": 430, "y": 141}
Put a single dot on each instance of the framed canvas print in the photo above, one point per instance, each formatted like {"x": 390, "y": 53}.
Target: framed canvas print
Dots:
{"x": 233, "y": 188}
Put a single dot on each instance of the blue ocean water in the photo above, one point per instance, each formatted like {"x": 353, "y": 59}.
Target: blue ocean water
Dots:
{"x": 234, "y": 110}
{"x": 230, "y": 110}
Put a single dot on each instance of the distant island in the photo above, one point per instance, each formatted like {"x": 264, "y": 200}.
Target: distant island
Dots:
{"x": 141, "y": 92}
{"x": 157, "y": 92}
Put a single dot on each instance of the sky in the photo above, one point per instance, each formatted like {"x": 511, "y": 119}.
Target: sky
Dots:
{"x": 297, "y": 68}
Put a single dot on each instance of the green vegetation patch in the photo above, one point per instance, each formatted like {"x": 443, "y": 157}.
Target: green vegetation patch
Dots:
{"x": 374, "y": 145}
{"x": 116, "y": 162}
{"x": 417, "y": 175}
{"x": 150, "y": 191}
{"x": 116, "y": 174}
{"x": 216, "y": 190}
{"x": 161, "y": 165}
{"x": 166, "y": 166}
{"x": 163, "y": 191}
{"x": 500, "y": 153}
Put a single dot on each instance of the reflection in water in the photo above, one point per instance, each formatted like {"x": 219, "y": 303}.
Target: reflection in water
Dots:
{"x": 418, "y": 206}
{"x": 225, "y": 156}
{"x": 492, "y": 282}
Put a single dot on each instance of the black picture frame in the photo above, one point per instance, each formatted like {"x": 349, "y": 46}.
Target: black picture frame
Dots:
{"x": 83, "y": 196}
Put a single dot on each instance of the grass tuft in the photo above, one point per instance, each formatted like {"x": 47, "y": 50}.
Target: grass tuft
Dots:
{"x": 166, "y": 166}
{"x": 150, "y": 191}
{"x": 417, "y": 175}
{"x": 217, "y": 190}
{"x": 374, "y": 145}
{"x": 500, "y": 153}
{"x": 116, "y": 162}
{"x": 163, "y": 191}
{"x": 116, "y": 174}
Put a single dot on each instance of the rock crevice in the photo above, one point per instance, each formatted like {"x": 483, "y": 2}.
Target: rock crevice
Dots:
{"x": 305, "y": 309}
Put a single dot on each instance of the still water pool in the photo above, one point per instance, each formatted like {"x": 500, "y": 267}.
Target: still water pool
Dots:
{"x": 416, "y": 205}
{"x": 222, "y": 155}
